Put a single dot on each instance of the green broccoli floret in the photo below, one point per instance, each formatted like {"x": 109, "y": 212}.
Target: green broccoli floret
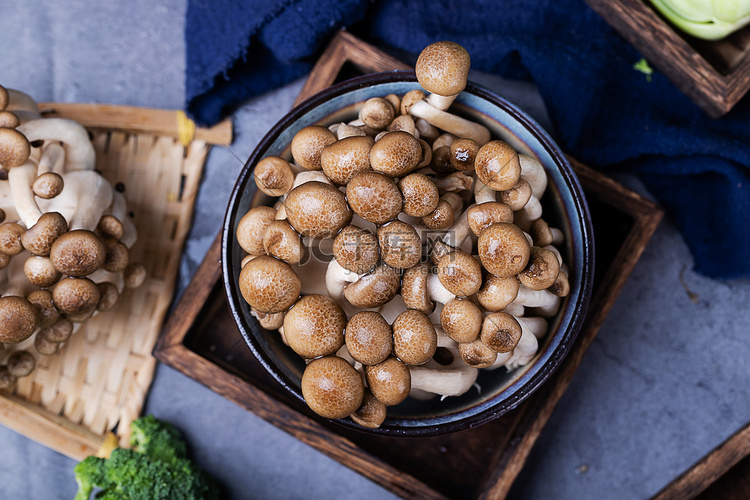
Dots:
{"x": 156, "y": 469}
{"x": 157, "y": 439}
{"x": 89, "y": 474}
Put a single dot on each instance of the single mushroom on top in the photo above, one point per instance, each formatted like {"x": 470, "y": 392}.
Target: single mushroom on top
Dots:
{"x": 442, "y": 68}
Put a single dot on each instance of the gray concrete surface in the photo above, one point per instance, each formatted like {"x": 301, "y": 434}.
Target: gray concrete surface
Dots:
{"x": 665, "y": 381}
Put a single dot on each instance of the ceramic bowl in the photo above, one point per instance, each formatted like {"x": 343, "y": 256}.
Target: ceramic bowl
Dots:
{"x": 564, "y": 207}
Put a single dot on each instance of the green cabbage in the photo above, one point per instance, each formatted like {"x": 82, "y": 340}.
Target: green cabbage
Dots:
{"x": 707, "y": 19}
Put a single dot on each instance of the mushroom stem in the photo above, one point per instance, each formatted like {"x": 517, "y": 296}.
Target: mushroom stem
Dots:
{"x": 80, "y": 154}
{"x": 450, "y": 382}
{"x": 52, "y": 159}
{"x": 20, "y": 180}
{"x": 483, "y": 193}
{"x": 337, "y": 277}
{"x": 448, "y": 122}
{"x": 533, "y": 172}
{"x": 537, "y": 325}
{"x": 90, "y": 193}
{"x": 535, "y": 298}
{"x": 457, "y": 181}
{"x": 514, "y": 309}
{"x": 441, "y": 102}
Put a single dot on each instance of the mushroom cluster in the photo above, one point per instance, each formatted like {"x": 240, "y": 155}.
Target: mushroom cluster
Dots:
{"x": 65, "y": 235}
{"x": 407, "y": 250}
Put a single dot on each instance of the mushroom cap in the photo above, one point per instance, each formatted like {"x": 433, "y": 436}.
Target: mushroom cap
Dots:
{"x": 3, "y": 98}
{"x": 10, "y": 238}
{"x": 517, "y": 196}
{"x": 75, "y": 296}
{"x": 400, "y": 244}
{"x": 282, "y": 241}
{"x": 421, "y": 195}
{"x": 314, "y": 326}
{"x": 460, "y": 273}
{"x": 541, "y": 270}
{"x": 14, "y": 148}
{"x": 48, "y": 185}
{"x": 395, "y": 154}
{"x": 117, "y": 257}
{"x": 317, "y": 210}
{"x": 344, "y": 158}
{"x": 377, "y": 113}
{"x": 561, "y": 286}
{"x": 374, "y": 289}
{"x": 476, "y": 354}
{"x": 251, "y": 227}
{"x": 60, "y": 331}
{"x": 440, "y": 218}
{"x": 332, "y": 387}
{"x": 269, "y": 284}
{"x": 503, "y": 249}
{"x": 369, "y": 338}
{"x": 371, "y": 413}
{"x": 134, "y": 275}
{"x": 38, "y": 239}
{"x": 273, "y": 176}
{"x": 2, "y": 215}
{"x": 6, "y": 378}
{"x": 78, "y": 253}
{"x": 40, "y": 271}
{"x": 44, "y": 346}
{"x": 443, "y": 68}
{"x": 461, "y": 320}
{"x": 374, "y": 197}
{"x": 389, "y": 381}
{"x": 411, "y": 97}
{"x": 541, "y": 233}
{"x": 109, "y": 296}
{"x": 414, "y": 289}
{"x": 21, "y": 363}
{"x": 109, "y": 226}
{"x": 414, "y": 337}
{"x": 18, "y": 319}
{"x": 463, "y": 153}
{"x": 404, "y": 123}
{"x": 9, "y": 120}
{"x": 501, "y": 332}
{"x": 356, "y": 249}
{"x": 496, "y": 292}
{"x": 497, "y": 165}
{"x": 426, "y": 158}
{"x": 441, "y": 160}
{"x": 307, "y": 145}
{"x": 485, "y": 214}
{"x": 42, "y": 300}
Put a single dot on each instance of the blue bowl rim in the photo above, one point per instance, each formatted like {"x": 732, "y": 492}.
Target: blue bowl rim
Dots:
{"x": 506, "y": 402}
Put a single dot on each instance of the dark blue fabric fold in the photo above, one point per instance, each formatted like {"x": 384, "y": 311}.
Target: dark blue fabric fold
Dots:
{"x": 604, "y": 112}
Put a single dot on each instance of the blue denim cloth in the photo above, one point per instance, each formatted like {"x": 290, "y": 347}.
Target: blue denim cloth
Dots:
{"x": 605, "y": 113}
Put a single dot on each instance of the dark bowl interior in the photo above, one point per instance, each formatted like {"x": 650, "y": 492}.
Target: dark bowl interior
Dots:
{"x": 564, "y": 207}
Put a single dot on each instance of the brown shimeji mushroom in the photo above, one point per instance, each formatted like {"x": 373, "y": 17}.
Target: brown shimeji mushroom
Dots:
{"x": 400, "y": 245}
{"x": 503, "y": 249}
{"x": 317, "y": 210}
{"x": 38, "y": 239}
{"x": 356, "y": 249}
{"x": 463, "y": 154}
{"x": 497, "y": 165}
{"x": 273, "y": 176}
{"x": 377, "y": 113}
{"x": 421, "y": 195}
{"x": 18, "y": 319}
{"x": 461, "y": 320}
{"x": 78, "y": 253}
{"x": 460, "y": 273}
{"x": 332, "y": 388}
{"x": 414, "y": 289}
{"x": 541, "y": 271}
{"x": 496, "y": 292}
{"x": 375, "y": 288}
{"x": 307, "y": 145}
{"x": 282, "y": 241}
{"x": 314, "y": 326}
{"x": 20, "y": 363}
{"x": 76, "y": 296}
{"x": 477, "y": 354}
{"x": 374, "y": 197}
{"x": 48, "y": 185}
{"x": 251, "y": 228}
{"x": 269, "y": 284}
{"x": 389, "y": 381}
{"x": 414, "y": 337}
{"x": 501, "y": 332}
{"x": 371, "y": 412}
{"x": 483, "y": 215}
{"x": 396, "y": 154}
{"x": 442, "y": 68}
{"x": 346, "y": 157}
{"x": 369, "y": 338}
{"x": 42, "y": 300}
{"x": 15, "y": 148}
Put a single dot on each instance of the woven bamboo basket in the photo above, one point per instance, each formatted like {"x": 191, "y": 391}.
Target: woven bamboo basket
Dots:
{"x": 100, "y": 377}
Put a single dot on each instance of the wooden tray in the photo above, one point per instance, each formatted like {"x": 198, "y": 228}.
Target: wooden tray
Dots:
{"x": 201, "y": 340}
{"x": 100, "y": 377}
{"x": 714, "y": 74}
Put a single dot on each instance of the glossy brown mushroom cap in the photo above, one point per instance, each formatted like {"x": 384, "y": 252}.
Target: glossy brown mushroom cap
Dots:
{"x": 308, "y": 144}
{"x": 541, "y": 271}
{"x": 42, "y": 300}
{"x": 344, "y": 158}
{"x": 414, "y": 337}
{"x": 374, "y": 197}
{"x": 409, "y": 99}
{"x": 496, "y": 292}
{"x": 282, "y": 241}
{"x": 389, "y": 381}
{"x": 14, "y": 148}
{"x": 501, "y": 332}
{"x": 461, "y": 320}
{"x": 440, "y": 218}
{"x": 443, "y": 68}
{"x": 517, "y": 196}
{"x": 482, "y": 216}
{"x": 356, "y": 249}
{"x": 40, "y": 271}
{"x": 317, "y": 210}
{"x": 463, "y": 154}
{"x": 18, "y": 319}
{"x": 9, "y": 120}
{"x": 314, "y": 326}
{"x": 460, "y": 273}
{"x": 332, "y": 387}
{"x": 497, "y": 165}
{"x": 503, "y": 249}
{"x": 371, "y": 413}
{"x": 561, "y": 286}
{"x": 377, "y": 113}
{"x": 400, "y": 244}
{"x": 76, "y": 296}
{"x": 117, "y": 257}
{"x": 476, "y": 354}
{"x": 369, "y": 338}
{"x": 421, "y": 195}
{"x": 38, "y": 239}
{"x": 78, "y": 253}
{"x": 252, "y": 226}
{"x": 269, "y": 284}
{"x": 374, "y": 289}
{"x": 274, "y": 176}
{"x": 11, "y": 234}
{"x": 414, "y": 289}
{"x": 395, "y": 154}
